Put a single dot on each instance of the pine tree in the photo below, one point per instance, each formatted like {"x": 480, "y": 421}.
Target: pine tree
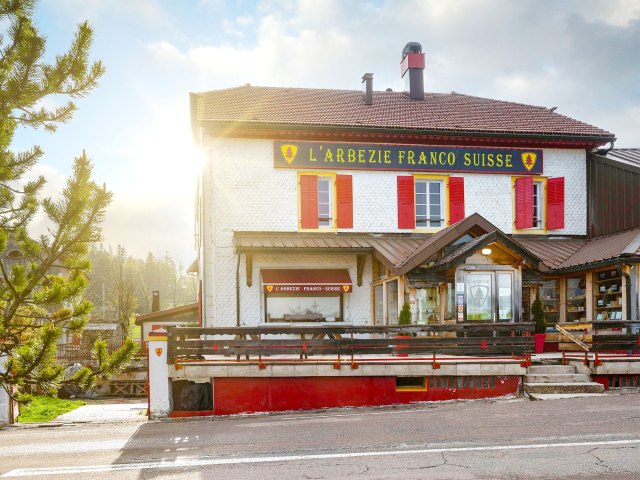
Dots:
{"x": 42, "y": 294}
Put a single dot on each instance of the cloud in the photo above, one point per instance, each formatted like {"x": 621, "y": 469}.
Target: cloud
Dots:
{"x": 148, "y": 12}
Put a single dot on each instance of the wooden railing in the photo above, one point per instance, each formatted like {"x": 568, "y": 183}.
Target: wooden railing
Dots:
{"x": 466, "y": 339}
{"x": 627, "y": 338}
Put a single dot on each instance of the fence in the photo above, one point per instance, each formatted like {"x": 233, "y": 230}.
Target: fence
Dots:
{"x": 466, "y": 339}
{"x": 68, "y": 353}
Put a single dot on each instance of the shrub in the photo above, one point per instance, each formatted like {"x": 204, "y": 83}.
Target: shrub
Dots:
{"x": 538, "y": 316}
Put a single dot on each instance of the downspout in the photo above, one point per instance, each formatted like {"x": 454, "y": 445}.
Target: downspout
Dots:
{"x": 238, "y": 291}
{"x": 627, "y": 288}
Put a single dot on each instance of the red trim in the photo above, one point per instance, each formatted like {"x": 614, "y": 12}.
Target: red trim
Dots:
{"x": 271, "y": 394}
{"x": 524, "y": 202}
{"x": 344, "y": 200}
{"x": 411, "y": 60}
{"x": 239, "y": 131}
{"x": 456, "y": 199}
{"x": 555, "y": 203}
{"x": 406, "y": 203}
{"x": 309, "y": 201}
{"x": 294, "y": 276}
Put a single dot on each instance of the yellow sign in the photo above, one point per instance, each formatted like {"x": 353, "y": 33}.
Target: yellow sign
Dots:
{"x": 158, "y": 351}
{"x": 289, "y": 152}
{"x": 269, "y": 288}
{"x": 345, "y": 288}
{"x": 529, "y": 160}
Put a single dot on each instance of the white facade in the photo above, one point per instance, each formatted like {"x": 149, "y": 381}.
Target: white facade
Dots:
{"x": 242, "y": 191}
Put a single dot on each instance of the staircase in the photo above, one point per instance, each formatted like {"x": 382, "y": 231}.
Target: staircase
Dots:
{"x": 546, "y": 382}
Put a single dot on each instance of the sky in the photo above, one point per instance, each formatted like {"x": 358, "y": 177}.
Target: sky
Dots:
{"x": 580, "y": 56}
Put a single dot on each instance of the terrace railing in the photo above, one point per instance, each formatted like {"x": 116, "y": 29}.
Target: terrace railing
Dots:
{"x": 464, "y": 339}
{"x": 612, "y": 335}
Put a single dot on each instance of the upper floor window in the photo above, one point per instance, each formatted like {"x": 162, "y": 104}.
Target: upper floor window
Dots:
{"x": 538, "y": 204}
{"x": 429, "y": 202}
{"x": 325, "y": 205}
{"x": 325, "y": 201}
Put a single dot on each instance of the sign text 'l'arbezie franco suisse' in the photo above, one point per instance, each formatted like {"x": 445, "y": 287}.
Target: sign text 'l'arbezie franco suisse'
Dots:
{"x": 358, "y": 156}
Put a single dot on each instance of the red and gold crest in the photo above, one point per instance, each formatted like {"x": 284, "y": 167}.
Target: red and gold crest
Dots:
{"x": 289, "y": 152}
{"x": 158, "y": 351}
{"x": 269, "y": 288}
{"x": 529, "y": 160}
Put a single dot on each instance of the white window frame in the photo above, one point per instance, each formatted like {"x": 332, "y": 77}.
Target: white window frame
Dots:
{"x": 538, "y": 205}
{"x": 427, "y": 221}
{"x": 323, "y": 221}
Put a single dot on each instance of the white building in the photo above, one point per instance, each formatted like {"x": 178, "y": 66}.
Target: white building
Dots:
{"x": 340, "y": 206}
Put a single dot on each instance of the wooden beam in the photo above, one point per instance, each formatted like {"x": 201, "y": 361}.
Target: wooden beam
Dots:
{"x": 249, "y": 268}
{"x": 361, "y": 260}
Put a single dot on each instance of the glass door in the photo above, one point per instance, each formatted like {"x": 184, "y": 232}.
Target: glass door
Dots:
{"x": 489, "y": 296}
{"x": 479, "y": 293}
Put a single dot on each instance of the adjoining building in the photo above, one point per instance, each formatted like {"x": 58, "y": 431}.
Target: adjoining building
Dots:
{"x": 319, "y": 205}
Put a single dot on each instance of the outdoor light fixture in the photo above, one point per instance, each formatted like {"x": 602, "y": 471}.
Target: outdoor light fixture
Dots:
{"x": 486, "y": 251}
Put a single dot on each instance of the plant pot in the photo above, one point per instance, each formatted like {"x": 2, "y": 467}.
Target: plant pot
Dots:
{"x": 400, "y": 347}
{"x": 540, "y": 342}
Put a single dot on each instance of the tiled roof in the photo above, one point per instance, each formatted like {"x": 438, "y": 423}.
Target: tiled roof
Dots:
{"x": 447, "y": 112}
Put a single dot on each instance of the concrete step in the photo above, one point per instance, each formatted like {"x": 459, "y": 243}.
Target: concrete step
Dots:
{"x": 551, "y": 369}
{"x": 558, "y": 396}
{"x": 557, "y": 378}
{"x": 560, "y": 388}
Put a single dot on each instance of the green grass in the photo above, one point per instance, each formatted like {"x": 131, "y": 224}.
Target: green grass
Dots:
{"x": 43, "y": 409}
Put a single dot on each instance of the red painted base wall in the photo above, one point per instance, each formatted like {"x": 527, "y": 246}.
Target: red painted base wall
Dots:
{"x": 246, "y": 395}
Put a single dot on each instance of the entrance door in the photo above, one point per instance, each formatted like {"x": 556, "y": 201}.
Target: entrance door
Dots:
{"x": 489, "y": 296}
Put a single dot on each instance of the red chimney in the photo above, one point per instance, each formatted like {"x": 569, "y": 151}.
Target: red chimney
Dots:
{"x": 413, "y": 63}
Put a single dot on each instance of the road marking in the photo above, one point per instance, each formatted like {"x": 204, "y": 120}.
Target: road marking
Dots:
{"x": 202, "y": 462}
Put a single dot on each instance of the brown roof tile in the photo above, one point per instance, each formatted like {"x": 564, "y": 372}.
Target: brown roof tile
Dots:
{"x": 390, "y": 110}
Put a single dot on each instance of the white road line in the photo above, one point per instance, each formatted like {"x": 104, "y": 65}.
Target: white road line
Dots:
{"x": 202, "y": 462}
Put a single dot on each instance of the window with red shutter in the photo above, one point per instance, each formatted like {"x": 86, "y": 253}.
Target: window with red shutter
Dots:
{"x": 555, "y": 203}
{"x": 344, "y": 198}
{"x": 308, "y": 201}
{"x": 406, "y": 203}
{"x": 524, "y": 202}
{"x": 456, "y": 199}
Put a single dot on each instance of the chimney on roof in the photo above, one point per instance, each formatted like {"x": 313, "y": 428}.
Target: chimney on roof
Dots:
{"x": 155, "y": 301}
{"x": 412, "y": 69}
{"x": 367, "y": 88}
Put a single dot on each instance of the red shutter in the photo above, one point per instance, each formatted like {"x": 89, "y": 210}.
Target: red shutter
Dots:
{"x": 524, "y": 202}
{"x": 555, "y": 203}
{"x": 406, "y": 203}
{"x": 456, "y": 199}
{"x": 308, "y": 201}
{"x": 344, "y": 196}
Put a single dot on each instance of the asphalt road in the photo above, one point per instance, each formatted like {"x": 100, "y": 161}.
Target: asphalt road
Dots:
{"x": 585, "y": 438}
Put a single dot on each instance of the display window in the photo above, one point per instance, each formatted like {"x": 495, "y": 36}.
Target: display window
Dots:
{"x": 576, "y": 299}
